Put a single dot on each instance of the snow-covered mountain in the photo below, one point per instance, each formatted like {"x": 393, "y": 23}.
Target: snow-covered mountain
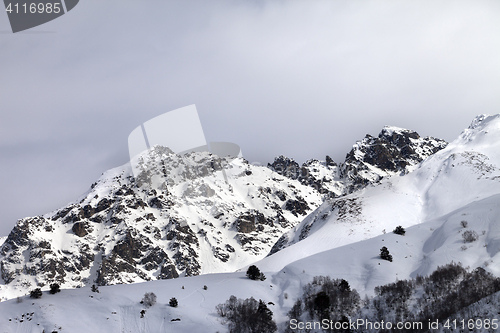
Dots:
{"x": 467, "y": 170}
{"x": 184, "y": 216}
{"x": 178, "y": 217}
{"x": 449, "y": 205}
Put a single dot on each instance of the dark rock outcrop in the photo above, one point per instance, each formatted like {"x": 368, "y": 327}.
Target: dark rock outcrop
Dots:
{"x": 80, "y": 228}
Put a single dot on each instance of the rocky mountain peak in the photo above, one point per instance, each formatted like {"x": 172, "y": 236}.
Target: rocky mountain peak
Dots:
{"x": 397, "y": 135}
{"x": 395, "y": 150}
{"x": 285, "y": 166}
{"x": 177, "y": 217}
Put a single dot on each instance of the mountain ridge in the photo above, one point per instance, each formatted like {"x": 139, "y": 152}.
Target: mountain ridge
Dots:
{"x": 179, "y": 217}
{"x": 430, "y": 191}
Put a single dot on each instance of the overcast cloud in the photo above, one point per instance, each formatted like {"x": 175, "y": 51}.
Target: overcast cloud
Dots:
{"x": 299, "y": 78}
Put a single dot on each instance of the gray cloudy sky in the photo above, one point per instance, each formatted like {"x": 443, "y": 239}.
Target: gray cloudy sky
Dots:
{"x": 299, "y": 78}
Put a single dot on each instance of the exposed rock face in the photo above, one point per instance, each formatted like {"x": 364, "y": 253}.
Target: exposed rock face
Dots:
{"x": 318, "y": 175}
{"x": 135, "y": 249}
{"x": 44, "y": 263}
{"x": 80, "y": 228}
{"x": 297, "y": 207}
{"x": 155, "y": 226}
{"x": 253, "y": 220}
{"x": 395, "y": 150}
{"x": 286, "y": 167}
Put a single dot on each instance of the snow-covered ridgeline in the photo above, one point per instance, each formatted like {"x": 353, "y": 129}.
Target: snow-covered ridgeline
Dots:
{"x": 178, "y": 217}
{"x": 467, "y": 170}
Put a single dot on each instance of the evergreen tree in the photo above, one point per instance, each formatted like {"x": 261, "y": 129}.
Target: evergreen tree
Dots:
{"x": 173, "y": 302}
{"x": 399, "y": 230}
{"x": 54, "y": 288}
{"x": 36, "y": 293}
{"x": 264, "y": 319}
{"x": 384, "y": 254}
{"x": 253, "y": 273}
{"x": 322, "y": 304}
{"x": 344, "y": 286}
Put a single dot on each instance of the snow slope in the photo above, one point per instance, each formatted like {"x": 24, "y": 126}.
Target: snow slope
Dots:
{"x": 424, "y": 247}
{"x": 117, "y": 308}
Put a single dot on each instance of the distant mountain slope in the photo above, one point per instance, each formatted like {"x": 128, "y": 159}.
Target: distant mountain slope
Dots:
{"x": 467, "y": 170}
